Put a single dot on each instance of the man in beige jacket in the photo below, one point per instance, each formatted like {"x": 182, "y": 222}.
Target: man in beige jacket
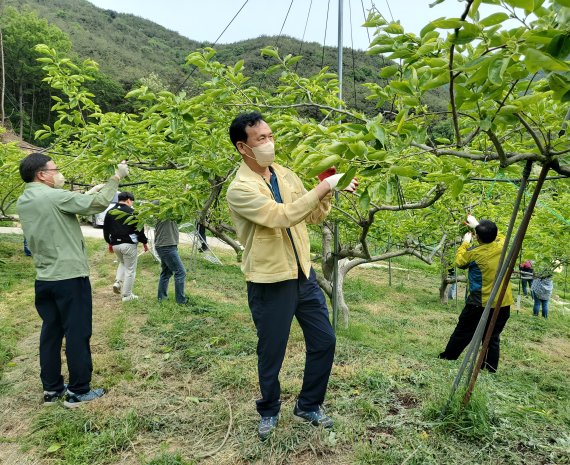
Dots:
{"x": 270, "y": 208}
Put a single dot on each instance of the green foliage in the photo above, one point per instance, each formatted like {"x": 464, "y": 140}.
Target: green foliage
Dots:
{"x": 26, "y": 94}
{"x": 508, "y": 106}
{"x": 79, "y": 438}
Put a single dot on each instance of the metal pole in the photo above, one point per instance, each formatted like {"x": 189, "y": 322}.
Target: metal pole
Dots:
{"x": 334, "y": 299}
{"x": 471, "y": 355}
{"x": 339, "y": 45}
{"x": 479, "y": 332}
{"x": 510, "y": 263}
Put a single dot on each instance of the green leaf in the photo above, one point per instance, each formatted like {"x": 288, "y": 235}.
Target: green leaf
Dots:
{"x": 527, "y": 5}
{"x": 559, "y": 46}
{"x": 509, "y": 109}
{"x": 474, "y": 9}
{"x": 375, "y": 128}
{"x": 535, "y": 60}
{"x": 451, "y": 23}
{"x": 495, "y": 18}
{"x": 53, "y": 448}
{"x": 404, "y": 171}
{"x": 402, "y": 87}
{"x": 394, "y": 28}
{"x": 401, "y": 119}
{"x": 427, "y": 29}
{"x": 270, "y": 52}
{"x": 359, "y": 149}
{"x": 337, "y": 147}
{"x": 377, "y": 155}
{"x": 466, "y": 34}
{"x": 497, "y": 70}
{"x": 456, "y": 187}
{"x": 364, "y": 200}
{"x": 565, "y": 3}
{"x": 441, "y": 79}
{"x": 323, "y": 165}
{"x": 345, "y": 180}
{"x": 388, "y": 71}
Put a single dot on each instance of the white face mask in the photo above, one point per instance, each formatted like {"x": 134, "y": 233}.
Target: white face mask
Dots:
{"x": 58, "y": 180}
{"x": 264, "y": 154}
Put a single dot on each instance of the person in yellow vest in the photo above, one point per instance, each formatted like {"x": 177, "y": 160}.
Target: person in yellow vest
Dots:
{"x": 482, "y": 263}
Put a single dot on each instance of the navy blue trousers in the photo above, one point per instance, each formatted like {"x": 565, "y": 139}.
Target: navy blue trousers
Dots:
{"x": 273, "y": 307}
{"x": 65, "y": 308}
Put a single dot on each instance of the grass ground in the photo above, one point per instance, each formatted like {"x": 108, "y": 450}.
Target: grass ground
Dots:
{"x": 182, "y": 381}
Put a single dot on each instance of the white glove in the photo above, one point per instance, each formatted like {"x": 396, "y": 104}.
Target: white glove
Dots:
{"x": 95, "y": 189}
{"x": 122, "y": 170}
{"x": 467, "y": 238}
{"x": 472, "y": 221}
{"x": 335, "y": 178}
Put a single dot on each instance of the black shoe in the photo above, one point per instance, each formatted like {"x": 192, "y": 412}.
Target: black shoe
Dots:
{"x": 75, "y": 400}
{"x": 51, "y": 397}
{"x": 266, "y": 425}
{"x": 316, "y": 418}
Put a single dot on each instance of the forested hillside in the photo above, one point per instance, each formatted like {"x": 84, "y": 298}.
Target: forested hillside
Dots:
{"x": 129, "y": 49}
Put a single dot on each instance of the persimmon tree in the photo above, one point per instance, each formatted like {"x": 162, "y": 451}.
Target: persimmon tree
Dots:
{"x": 508, "y": 104}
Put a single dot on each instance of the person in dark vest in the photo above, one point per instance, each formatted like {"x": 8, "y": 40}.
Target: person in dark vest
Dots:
{"x": 123, "y": 236}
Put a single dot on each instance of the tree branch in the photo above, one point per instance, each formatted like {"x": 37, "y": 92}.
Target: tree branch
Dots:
{"x": 499, "y": 147}
{"x": 452, "y": 76}
{"x": 426, "y": 201}
{"x": 532, "y": 133}
{"x": 302, "y": 105}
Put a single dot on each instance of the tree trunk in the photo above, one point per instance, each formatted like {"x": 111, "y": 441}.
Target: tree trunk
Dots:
{"x": 31, "y": 133}
{"x": 21, "y": 101}
{"x": 2, "y": 113}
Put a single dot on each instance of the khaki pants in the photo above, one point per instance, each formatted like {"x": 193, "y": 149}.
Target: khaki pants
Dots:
{"x": 127, "y": 256}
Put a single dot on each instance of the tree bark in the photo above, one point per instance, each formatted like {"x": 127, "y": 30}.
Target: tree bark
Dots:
{"x": 2, "y": 113}
{"x": 21, "y": 102}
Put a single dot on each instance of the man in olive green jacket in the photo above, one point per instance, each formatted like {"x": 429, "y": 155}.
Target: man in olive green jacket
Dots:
{"x": 270, "y": 208}
{"x": 48, "y": 215}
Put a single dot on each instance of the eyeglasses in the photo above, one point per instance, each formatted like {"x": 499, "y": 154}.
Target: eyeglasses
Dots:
{"x": 50, "y": 169}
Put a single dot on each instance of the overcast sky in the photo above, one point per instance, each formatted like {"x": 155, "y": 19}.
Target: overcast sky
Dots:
{"x": 204, "y": 20}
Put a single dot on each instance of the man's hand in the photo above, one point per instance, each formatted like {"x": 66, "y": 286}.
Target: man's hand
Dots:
{"x": 467, "y": 238}
{"x": 145, "y": 247}
{"x": 122, "y": 170}
{"x": 95, "y": 189}
{"x": 335, "y": 178}
{"x": 472, "y": 221}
